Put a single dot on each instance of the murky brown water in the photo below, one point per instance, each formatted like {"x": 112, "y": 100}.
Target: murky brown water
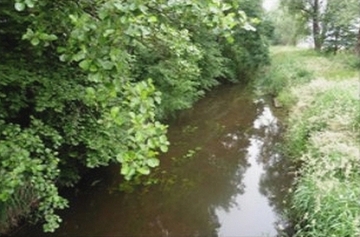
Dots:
{"x": 231, "y": 183}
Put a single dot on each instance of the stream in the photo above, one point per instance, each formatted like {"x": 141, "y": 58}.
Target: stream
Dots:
{"x": 222, "y": 177}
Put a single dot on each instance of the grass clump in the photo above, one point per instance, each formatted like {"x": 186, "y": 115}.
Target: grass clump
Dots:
{"x": 332, "y": 212}
{"x": 321, "y": 94}
{"x": 292, "y": 67}
{"x": 322, "y": 136}
{"x": 285, "y": 70}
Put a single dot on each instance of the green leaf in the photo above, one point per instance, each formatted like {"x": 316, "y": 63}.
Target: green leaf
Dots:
{"x": 63, "y": 57}
{"x": 108, "y": 32}
{"x": 19, "y": 6}
{"x": 103, "y": 14}
{"x": 163, "y": 139}
{"x": 94, "y": 77}
{"x": 120, "y": 157}
{"x": 249, "y": 27}
{"x": 118, "y": 6}
{"x": 106, "y": 64}
{"x": 90, "y": 91}
{"x": 152, "y": 19}
{"x": 79, "y": 56}
{"x": 130, "y": 173}
{"x": 60, "y": 49}
{"x": 153, "y": 162}
{"x": 164, "y": 148}
{"x": 143, "y": 8}
{"x": 29, "y": 34}
{"x": 157, "y": 99}
{"x": 151, "y": 143}
{"x": 29, "y": 3}
{"x": 73, "y": 18}
{"x": 144, "y": 170}
{"x": 114, "y": 112}
{"x": 85, "y": 64}
{"x": 35, "y": 41}
{"x": 230, "y": 39}
{"x": 125, "y": 169}
{"x": 132, "y": 114}
{"x": 133, "y": 6}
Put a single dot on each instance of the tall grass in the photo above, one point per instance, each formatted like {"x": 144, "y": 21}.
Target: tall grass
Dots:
{"x": 323, "y": 136}
{"x": 17, "y": 207}
{"x": 291, "y": 67}
{"x": 285, "y": 70}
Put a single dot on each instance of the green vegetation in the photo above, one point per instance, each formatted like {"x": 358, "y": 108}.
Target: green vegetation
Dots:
{"x": 326, "y": 198}
{"x": 322, "y": 138}
{"x": 333, "y": 24}
{"x": 285, "y": 72}
{"x": 86, "y": 83}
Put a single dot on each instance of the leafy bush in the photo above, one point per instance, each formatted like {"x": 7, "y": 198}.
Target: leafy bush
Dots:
{"x": 84, "y": 84}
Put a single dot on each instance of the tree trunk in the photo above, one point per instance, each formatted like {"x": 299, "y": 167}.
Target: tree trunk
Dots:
{"x": 316, "y": 25}
{"x": 357, "y": 46}
{"x": 336, "y": 41}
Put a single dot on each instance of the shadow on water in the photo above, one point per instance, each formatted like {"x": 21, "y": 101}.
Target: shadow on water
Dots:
{"x": 221, "y": 177}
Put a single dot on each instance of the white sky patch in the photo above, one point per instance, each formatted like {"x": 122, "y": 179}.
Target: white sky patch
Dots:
{"x": 269, "y": 5}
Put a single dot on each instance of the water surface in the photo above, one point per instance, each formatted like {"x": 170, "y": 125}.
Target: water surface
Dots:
{"x": 221, "y": 177}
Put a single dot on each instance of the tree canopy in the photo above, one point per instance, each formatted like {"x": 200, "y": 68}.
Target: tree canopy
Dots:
{"x": 333, "y": 24}
{"x": 87, "y": 83}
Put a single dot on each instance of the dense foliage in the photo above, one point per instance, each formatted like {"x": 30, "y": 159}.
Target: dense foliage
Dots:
{"x": 341, "y": 25}
{"x": 84, "y": 84}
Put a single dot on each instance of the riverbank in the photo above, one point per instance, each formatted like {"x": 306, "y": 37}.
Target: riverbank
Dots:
{"x": 321, "y": 96}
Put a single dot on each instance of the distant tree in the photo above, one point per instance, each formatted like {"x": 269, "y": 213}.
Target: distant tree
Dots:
{"x": 311, "y": 11}
{"x": 332, "y": 22}
{"x": 339, "y": 24}
{"x": 288, "y": 28}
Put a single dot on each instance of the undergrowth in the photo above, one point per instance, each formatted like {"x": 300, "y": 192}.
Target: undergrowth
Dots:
{"x": 322, "y": 136}
{"x": 292, "y": 67}
{"x": 284, "y": 71}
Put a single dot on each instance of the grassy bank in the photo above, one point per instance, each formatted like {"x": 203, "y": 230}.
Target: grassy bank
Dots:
{"x": 321, "y": 95}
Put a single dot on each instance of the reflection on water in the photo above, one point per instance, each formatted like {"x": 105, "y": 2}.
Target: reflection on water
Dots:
{"x": 233, "y": 186}
{"x": 254, "y": 216}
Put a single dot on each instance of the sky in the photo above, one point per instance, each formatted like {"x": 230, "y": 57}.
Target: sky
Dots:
{"x": 270, "y": 4}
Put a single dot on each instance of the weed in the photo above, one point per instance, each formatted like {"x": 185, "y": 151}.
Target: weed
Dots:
{"x": 285, "y": 71}
{"x": 17, "y": 207}
{"x": 286, "y": 98}
{"x": 322, "y": 135}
